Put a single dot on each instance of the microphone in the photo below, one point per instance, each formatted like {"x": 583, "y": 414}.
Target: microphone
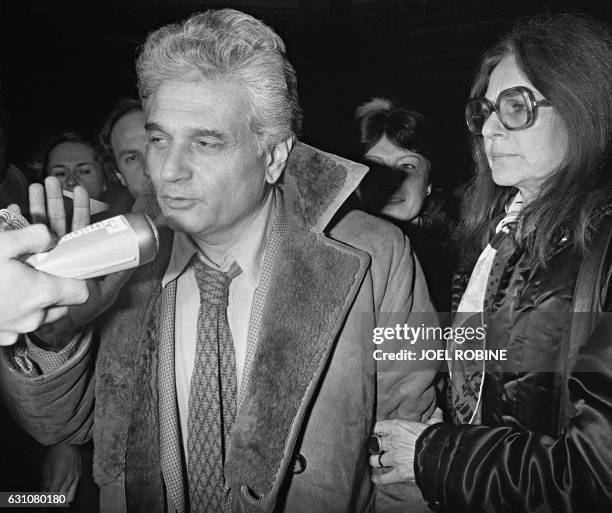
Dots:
{"x": 108, "y": 246}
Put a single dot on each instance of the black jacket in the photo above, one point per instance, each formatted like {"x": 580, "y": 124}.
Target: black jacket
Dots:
{"x": 523, "y": 458}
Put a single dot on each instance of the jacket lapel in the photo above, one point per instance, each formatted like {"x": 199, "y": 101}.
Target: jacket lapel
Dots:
{"x": 313, "y": 285}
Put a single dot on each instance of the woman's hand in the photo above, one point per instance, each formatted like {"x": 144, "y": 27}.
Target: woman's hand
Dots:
{"x": 398, "y": 440}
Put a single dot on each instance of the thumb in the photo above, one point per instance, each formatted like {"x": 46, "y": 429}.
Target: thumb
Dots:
{"x": 383, "y": 427}
{"x": 33, "y": 239}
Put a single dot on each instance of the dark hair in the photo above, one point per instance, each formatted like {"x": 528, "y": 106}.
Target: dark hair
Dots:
{"x": 403, "y": 127}
{"x": 3, "y": 143}
{"x": 77, "y": 138}
{"x": 68, "y": 137}
{"x": 568, "y": 58}
{"x": 122, "y": 107}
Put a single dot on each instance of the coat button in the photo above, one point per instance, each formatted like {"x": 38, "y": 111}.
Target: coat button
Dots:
{"x": 298, "y": 464}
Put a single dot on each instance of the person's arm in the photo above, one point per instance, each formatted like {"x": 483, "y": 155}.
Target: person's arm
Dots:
{"x": 479, "y": 468}
{"x": 405, "y": 390}
{"x": 405, "y": 387}
{"x": 61, "y": 470}
{"x": 55, "y": 407}
{"x": 48, "y": 387}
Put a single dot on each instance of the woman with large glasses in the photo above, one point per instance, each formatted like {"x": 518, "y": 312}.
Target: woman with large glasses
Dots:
{"x": 532, "y": 412}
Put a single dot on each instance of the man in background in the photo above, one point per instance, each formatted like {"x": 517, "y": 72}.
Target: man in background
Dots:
{"x": 124, "y": 141}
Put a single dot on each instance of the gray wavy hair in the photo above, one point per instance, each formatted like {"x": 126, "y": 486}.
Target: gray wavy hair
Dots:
{"x": 228, "y": 43}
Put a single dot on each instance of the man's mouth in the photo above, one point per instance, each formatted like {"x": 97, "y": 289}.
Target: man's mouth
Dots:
{"x": 178, "y": 202}
{"x": 500, "y": 155}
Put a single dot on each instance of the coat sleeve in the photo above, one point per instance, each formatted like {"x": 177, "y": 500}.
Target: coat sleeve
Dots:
{"x": 56, "y": 407}
{"x": 405, "y": 386}
{"x": 479, "y": 468}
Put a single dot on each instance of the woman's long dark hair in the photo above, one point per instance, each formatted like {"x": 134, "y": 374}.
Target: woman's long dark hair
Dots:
{"x": 567, "y": 58}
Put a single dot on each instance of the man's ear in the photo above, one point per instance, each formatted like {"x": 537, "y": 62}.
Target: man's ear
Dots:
{"x": 120, "y": 178}
{"x": 276, "y": 159}
{"x": 428, "y": 189}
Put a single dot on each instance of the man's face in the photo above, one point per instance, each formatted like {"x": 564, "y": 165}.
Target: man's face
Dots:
{"x": 129, "y": 144}
{"x": 202, "y": 158}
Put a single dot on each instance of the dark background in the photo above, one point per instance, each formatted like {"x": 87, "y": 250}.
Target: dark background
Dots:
{"x": 65, "y": 62}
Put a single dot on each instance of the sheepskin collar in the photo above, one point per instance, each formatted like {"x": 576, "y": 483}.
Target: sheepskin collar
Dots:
{"x": 315, "y": 184}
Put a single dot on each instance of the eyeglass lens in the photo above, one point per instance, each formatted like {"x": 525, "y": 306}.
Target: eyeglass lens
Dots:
{"x": 513, "y": 110}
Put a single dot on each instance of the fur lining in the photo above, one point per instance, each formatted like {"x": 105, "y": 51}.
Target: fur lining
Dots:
{"x": 143, "y": 480}
{"x": 119, "y": 360}
{"x": 315, "y": 185}
{"x": 298, "y": 333}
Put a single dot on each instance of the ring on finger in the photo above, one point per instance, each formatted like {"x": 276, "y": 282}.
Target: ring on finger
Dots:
{"x": 375, "y": 444}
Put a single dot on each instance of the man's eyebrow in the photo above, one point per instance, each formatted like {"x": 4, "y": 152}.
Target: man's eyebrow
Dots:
{"x": 128, "y": 151}
{"x": 208, "y": 132}
{"x": 153, "y": 126}
{"x": 196, "y": 132}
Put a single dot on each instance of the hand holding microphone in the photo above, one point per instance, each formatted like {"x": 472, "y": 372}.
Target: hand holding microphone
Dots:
{"x": 109, "y": 246}
{"x": 106, "y": 247}
{"x": 29, "y": 298}
{"x": 113, "y": 245}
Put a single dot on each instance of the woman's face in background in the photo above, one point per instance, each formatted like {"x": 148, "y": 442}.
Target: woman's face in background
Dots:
{"x": 522, "y": 158}
{"x": 75, "y": 164}
{"x": 398, "y": 182}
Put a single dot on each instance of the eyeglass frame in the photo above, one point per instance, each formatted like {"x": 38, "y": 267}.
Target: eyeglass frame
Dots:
{"x": 494, "y": 107}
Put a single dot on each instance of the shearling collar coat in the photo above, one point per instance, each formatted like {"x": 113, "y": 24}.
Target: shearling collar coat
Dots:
{"x": 314, "y": 394}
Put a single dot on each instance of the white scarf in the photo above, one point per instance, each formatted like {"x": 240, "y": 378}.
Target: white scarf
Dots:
{"x": 472, "y": 302}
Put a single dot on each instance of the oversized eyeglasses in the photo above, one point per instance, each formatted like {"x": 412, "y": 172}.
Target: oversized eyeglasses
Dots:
{"x": 516, "y": 109}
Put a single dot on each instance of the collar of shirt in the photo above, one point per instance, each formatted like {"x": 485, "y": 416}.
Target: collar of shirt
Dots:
{"x": 248, "y": 251}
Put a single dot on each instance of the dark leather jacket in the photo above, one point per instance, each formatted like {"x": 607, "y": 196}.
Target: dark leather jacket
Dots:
{"x": 524, "y": 457}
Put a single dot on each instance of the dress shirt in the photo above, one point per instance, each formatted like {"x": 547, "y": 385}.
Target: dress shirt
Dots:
{"x": 248, "y": 253}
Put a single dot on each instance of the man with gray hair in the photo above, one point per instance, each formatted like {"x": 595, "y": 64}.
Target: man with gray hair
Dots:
{"x": 236, "y": 374}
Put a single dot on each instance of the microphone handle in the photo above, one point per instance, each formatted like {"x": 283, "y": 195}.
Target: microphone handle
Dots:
{"x": 109, "y": 246}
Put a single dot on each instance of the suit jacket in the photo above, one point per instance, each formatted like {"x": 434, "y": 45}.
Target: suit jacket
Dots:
{"x": 313, "y": 392}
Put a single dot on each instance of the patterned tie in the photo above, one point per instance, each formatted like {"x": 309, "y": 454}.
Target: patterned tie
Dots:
{"x": 212, "y": 400}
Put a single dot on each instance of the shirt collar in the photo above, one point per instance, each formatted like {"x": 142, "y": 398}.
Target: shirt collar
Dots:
{"x": 247, "y": 252}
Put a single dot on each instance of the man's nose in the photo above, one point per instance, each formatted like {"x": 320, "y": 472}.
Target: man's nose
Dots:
{"x": 174, "y": 166}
